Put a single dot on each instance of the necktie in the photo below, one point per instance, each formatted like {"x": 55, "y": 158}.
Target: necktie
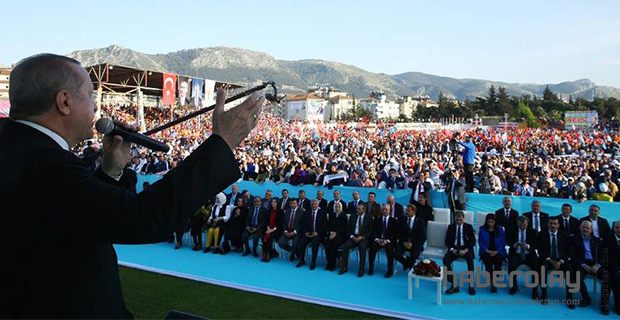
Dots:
{"x": 523, "y": 241}
{"x": 393, "y": 208}
{"x": 384, "y": 228}
{"x": 619, "y": 243}
{"x": 566, "y": 224}
{"x": 554, "y": 247}
{"x": 291, "y": 220}
{"x": 458, "y": 236}
{"x": 507, "y": 214}
{"x": 410, "y": 226}
{"x": 357, "y": 225}
{"x": 536, "y": 222}
{"x": 255, "y": 219}
{"x": 314, "y": 221}
{"x": 283, "y": 203}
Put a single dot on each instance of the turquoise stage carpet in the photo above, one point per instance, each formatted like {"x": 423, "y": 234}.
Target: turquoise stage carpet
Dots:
{"x": 373, "y": 294}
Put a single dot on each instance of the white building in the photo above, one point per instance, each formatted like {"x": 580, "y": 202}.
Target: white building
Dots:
{"x": 4, "y": 82}
{"x": 338, "y": 106}
{"x": 407, "y": 106}
{"x": 380, "y": 108}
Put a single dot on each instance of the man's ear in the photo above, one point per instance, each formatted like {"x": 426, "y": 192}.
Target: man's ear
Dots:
{"x": 62, "y": 102}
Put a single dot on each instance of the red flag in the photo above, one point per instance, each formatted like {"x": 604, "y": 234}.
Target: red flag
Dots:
{"x": 168, "y": 92}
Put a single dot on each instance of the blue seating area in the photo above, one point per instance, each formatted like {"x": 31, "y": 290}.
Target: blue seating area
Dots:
{"x": 373, "y": 294}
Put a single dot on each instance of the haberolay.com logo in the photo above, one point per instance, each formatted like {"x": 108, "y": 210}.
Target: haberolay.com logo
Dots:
{"x": 483, "y": 279}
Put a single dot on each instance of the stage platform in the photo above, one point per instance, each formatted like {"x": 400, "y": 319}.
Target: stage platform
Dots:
{"x": 372, "y": 294}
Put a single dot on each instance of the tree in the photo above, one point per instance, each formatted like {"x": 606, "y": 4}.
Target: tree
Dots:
{"x": 524, "y": 113}
{"x": 491, "y": 103}
{"x": 503, "y": 102}
{"x": 355, "y": 114}
{"x": 548, "y": 95}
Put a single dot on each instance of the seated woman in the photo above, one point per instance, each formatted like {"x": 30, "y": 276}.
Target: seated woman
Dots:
{"x": 233, "y": 228}
{"x": 273, "y": 221}
{"x": 220, "y": 213}
{"x": 492, "y": 246}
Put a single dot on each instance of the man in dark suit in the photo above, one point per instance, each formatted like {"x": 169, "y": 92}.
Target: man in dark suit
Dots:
{"x": 352, "y": 207}
{"x": 460, "y": 242}
{"x": 587, "y": 259}
{"x": 291, "y": 226}
{"x": 552, "y": 253}
{"x": 320, "y": 195}
{"x": 611, "y": 251}
{"x": 233, "y": 196}
{"x": 523, "y": 243}
{"x": 67, "y": 266}
{"x": 255, "y": 225}
{"x": 507, "y": 216}
{"x": 314, "y": 225}
{"x": 336, "y": 235}
{"x": 412, "y": 235}
{"x": 385, "y": 236}
{"x": 359, "y": 231}
{"x": 396, "y": 209}
{"x": 394, "y": 180}
{"x": 373, "y": 209}
{"x": 283, "y": 203}
{"x": 330, "y": 205}
{"x": 424, "y": 210}
{"x": 302, "y": 201}
{"x": 266, "y": 202}
{"x": 568, "y": 223}
{"x": 600, "y": 226}
{"x": 538, "y": 220}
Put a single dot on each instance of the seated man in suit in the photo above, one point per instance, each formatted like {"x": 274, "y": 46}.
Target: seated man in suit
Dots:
{"x": 359, "y": 231}
{"x": 460, "y": 242}
{"x": 568, "y": 223}
{"x": 553, "y": 253}
{"x": 600, "y": 226}
{"x": 291, "y": 226}
{"x": 330, "y": 205}
{"x": 396, "y": 209}
{"x": 523, "y": 243}
{"x": 412, "y": 236}
{"x": 255, "y": 226}
{"x": 231, "y": 198}
{"x": 266, "y": 203}
{"x": 611, "y": 246}
{"x": 538, "y": 220}
{"x": 314, "y": 224}
{"x": 352, "y": 206}
{"x": 336, "y": 235}
{"x": 586, "y": 259}
{"x": 385, "y": 236}
{"x": 302, "y": 201}
{"x": 507, "y": 216}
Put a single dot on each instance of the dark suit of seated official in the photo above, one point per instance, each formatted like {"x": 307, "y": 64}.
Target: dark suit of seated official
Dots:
{"x": 412, "y": 236}
{"x": 359, "y": 231}
{"x": 385, "y": 236}
{"x": 492, "y": 246}
{"x": 611, "y": 247}
{"x": 255, "y": 226}
{"x": 397, "y": 210}
{"x": 314, "y": 224}
{"x": 553, "y": 254}
{"x": 587, "y": 259}
{"x": 460, "y": 242}
{"x": 291, "y": 229}
{"x": 600, "y": 226}
{"x": 336, "y": 235}
{"x": 523, "y": 243}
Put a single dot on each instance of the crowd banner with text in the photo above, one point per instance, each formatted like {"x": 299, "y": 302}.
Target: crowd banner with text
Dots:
{"x": 580, "y": 119}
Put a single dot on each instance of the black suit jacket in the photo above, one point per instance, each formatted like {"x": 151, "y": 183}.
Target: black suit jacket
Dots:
{"x": 603, "y": 226}
{"x": 424, "y": 212}
{"x": 351, "y": 208}
{"x": 67, "y": 266}
{"x": 262, "y": 219}
{"x": 511, "y": 222}
{"x": 611, "y": 253}
{"x": 544, "y": 246}
{"x": 399, "y": 211}
{"x": 365, "y": 229}
{"x": 338, "y": 224}
{"x": 469, "y": 237}
{"x": 544, "y": 221}
{"x": 330, "y": 206}
{"x": 417, "y": 235}
{"x": 391, "y": 232}
{"x": 237, "y": 196}
{"x": 296, "y": 223}
{"x": 578, "y": 252}
{"x": 323, "y": 205}
{"x": 373, "y": 210}
{"x": 573, "y": 225}
{"x": 531, "y": 238}
{"x": 305, "y": 204}
{"x": 321, "y": 222}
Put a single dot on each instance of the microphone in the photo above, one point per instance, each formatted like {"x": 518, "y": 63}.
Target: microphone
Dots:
{"x": 107, "y": 126}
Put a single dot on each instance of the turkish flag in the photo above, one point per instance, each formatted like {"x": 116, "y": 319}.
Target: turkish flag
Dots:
{"x": 168, "y": 92}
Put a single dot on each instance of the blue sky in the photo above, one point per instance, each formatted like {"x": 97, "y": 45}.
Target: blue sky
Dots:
{"x": 512, "y": 41}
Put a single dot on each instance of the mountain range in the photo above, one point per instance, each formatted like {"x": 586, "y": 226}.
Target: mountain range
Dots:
{"x": 251, "y": 67}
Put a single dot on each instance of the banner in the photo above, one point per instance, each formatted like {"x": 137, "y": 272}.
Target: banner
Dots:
{"x": 315, "y": 111}
{"x": 209, "y": 98}
{"x": 197, "y": 92}
{"x": 183, "y": 86}
{"x": 168, "y": 92}
{"x": 579, "y": 119}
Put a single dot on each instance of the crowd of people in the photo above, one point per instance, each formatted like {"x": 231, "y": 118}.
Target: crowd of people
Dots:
{"x": 579, "y": 165}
